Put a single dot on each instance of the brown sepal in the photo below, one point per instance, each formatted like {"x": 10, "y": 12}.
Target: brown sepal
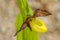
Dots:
{"x": 39, "y": 13}
{"x": 24, "y": 25}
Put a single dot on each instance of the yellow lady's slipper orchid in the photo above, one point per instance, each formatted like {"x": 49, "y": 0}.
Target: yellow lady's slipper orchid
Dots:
{"x": 38, "y": 25}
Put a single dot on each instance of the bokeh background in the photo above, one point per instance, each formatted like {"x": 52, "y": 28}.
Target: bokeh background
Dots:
{"x": 9, "y": 11}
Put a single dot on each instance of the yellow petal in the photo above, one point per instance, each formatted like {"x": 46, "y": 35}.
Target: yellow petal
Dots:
{"x": 38, "y": 25}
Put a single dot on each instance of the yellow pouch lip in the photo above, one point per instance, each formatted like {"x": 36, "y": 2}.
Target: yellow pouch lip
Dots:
{"x": 35, "y": 25}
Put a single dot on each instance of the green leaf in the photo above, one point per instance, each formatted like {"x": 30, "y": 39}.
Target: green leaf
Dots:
{"x": 19, "y": 21}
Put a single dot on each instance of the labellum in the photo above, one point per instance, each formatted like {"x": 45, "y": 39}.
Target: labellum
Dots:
{"x": 38, "y": 25}
{"x": 33, "y": 24}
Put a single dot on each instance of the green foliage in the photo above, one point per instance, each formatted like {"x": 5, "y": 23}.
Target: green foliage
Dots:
{"x": 25, "y": 10}
{"x": 19, "y": 21}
